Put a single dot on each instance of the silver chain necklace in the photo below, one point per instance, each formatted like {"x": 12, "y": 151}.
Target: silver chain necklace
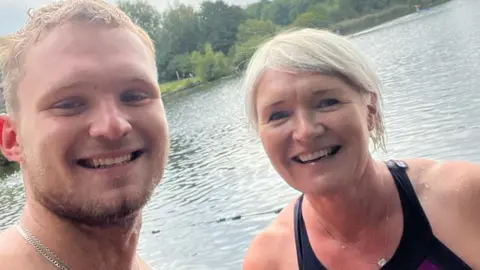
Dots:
{"x": 382, "y": 261}
{"x": 41, "y": 248}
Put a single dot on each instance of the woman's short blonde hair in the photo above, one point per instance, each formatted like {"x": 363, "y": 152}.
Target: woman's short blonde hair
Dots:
{"x": 13, "y": 48}
{"x": 314, "y": 50}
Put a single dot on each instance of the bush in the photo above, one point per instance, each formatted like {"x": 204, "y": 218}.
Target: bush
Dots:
{"x": 210, "y": 65}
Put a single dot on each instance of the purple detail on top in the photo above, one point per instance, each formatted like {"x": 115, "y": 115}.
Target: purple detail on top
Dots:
{"x": 427, "y": 265}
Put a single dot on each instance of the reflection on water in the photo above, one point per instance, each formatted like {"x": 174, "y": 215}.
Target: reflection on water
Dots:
{"x": 429, "y": 64}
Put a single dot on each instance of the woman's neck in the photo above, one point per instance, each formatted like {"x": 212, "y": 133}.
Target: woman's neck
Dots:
{"x": 356, "y": 210}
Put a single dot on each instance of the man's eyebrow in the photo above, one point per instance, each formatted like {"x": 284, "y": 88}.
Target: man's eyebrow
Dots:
{"x": 68, "y": 83}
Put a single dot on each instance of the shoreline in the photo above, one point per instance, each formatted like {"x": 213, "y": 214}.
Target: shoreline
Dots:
{"x": 197, "y": 84}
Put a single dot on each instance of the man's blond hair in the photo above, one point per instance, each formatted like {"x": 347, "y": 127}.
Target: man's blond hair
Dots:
{"x": 13, "y": 48}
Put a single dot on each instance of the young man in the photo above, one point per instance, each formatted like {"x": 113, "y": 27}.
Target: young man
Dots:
{"x": 87, "y": 125}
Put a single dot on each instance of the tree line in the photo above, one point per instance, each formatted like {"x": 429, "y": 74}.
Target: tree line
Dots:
{"x": 218, "y": 38}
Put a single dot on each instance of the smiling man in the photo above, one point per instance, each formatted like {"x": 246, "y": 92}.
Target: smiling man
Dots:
{"x": 87, "y": 125}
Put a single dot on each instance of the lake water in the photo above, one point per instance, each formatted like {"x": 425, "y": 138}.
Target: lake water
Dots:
{"x": 430, "y": 66}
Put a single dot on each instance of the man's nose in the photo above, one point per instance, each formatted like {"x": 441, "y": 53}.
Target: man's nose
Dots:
{"x": 110, "y": 122}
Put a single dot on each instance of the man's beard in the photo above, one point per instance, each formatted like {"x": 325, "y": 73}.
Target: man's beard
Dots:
{"x": 93, "y": 212}
{"x": 97, "y": 212}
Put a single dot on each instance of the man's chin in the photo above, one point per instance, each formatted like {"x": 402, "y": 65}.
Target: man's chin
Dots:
{"x": 124, "y": 215}
{"x": 98, "y": 213}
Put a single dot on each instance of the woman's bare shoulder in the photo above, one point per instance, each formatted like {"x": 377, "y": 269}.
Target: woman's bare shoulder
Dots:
{"x": 443, "y": 177}
{"x": 268, "y": 248}
{"x": 449, "y": 192}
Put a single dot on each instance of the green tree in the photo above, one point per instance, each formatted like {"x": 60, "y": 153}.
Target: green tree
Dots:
{"x": 143, "y": 14}
{"x": 181, "y": 26}
{"x": 245, "y": 51}
{"x": 312, "y": 19}
{"x": 150, "y": 19}
{"x": 179, "y": 35}
{"x": 250, "y": 34}
{"x": 255, "y": 10}
{"x": 183, "y": 64}
{"x": 210, "y": 65}
{"x": 301, "y": 6}
{"x": 219, "y": 24}
{"x": 278, "y": 12}
{"x": 251, "y": 28}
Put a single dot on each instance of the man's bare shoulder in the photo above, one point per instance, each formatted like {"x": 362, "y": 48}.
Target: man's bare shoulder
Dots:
{"x": 9, "y": 243}
{"x": 12, "y": 251}
{"x": 271, "y": 248}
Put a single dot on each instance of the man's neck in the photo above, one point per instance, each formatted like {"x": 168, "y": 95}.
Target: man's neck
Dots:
{"x": 81, "y": 246}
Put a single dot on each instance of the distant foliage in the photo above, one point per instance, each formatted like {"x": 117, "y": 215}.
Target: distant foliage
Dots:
{"x": 218, "y": 38}
{"x": 210, "y": 65}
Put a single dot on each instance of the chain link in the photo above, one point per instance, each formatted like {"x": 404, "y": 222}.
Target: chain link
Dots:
{"x": 42, "y": 249}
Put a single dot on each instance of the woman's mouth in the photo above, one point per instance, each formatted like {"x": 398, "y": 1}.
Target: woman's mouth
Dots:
{"x": 317, "y": 155}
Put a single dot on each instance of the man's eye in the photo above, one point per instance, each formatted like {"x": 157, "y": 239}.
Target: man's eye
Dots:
{"x": 69, "y": 104}
{"x": 133, "y": 96}
{"x": 277, "y": 116}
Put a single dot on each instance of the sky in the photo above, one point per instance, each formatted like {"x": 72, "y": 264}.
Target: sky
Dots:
{"x": 13, "y": 13}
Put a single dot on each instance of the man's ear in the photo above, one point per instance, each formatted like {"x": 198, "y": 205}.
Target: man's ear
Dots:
{"x": 372, "y": 110}
{"x": 9, "y": 140}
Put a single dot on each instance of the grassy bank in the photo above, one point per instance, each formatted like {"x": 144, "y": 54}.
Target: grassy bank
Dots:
{"x": 179, "y": 85}
{"x": 371, "y": 20}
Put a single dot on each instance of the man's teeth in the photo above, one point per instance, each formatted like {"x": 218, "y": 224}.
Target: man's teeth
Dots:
{"x": 315, "y": 155}
{"x": 102, "y": 162}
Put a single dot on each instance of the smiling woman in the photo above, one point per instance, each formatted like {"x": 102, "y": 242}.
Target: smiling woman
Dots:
{"x": 315, "y": 102}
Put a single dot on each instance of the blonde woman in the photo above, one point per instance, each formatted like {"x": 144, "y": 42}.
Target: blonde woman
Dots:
{"x": 315, "y": 103}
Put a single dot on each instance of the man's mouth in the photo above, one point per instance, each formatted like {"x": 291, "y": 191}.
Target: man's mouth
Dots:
{"x": 100, "y": 163}
{"x": 318, "y": 155}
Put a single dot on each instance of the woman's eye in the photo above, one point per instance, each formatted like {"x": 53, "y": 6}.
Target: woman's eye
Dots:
{"x": 277, "y": 116}
{"x": 327, "y": 102}
{"x": 133, "y": 96}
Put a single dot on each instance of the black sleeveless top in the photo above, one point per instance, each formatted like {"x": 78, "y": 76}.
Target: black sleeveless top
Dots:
{"x": 418, "y": 249}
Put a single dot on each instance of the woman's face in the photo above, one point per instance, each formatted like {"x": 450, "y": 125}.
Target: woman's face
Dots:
{"x": 314, "y": 128}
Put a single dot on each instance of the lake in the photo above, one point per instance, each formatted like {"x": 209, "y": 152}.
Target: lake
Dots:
{"x": 429, "y": 63}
